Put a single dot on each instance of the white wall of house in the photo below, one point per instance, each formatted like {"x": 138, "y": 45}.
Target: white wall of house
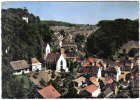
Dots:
{"x": 81, "y": 82}
{"x": 25, "y": 18}
{"x": 47, "y": 49}
{"x": 99, "y": 73}
{"x": 96, "y": 93}
{"x": 64, "y": 64}
{"x": 36, "y": 66}
{"x": 23, "y": 70}
{"x": 118, "y": 73}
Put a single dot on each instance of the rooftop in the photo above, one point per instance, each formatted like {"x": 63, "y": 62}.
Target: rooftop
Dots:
{"x": 49, "y": 92}
{"x": 35, "y": 61}
{"x": 18, "y": 65}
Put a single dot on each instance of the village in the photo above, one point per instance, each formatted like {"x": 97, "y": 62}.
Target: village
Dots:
{"x": 86, "y": 77}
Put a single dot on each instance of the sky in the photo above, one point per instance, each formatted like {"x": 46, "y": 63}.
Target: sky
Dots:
{"x": 79, "y": 12}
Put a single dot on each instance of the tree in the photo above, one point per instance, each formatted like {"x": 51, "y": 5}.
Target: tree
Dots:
{"x": 62, "y": 33}
{"x": 79, "y": 38}
{"x": 108, "y": 38}
{"x": 42, "y": 82}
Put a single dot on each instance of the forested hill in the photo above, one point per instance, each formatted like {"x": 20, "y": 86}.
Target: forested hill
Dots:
{"x": 20, "y": 41}
{"x": 111, "y": 36}
{"x": 59, "y": 23}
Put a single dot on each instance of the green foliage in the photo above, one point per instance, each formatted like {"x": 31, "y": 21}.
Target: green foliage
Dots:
{"x": 62, "y": 33}
{"x": 111, "y": 36}
{"x": 133, "y": 51}
{"x": 53, "y": 75}
{"x": 79, "y": 38}
{"x": 20, "y": 40}
{"x": 19, "y": 87}
{"x": 42, "y": 82}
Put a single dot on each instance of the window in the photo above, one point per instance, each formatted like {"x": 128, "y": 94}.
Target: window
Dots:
{"x": 61, "y": 64}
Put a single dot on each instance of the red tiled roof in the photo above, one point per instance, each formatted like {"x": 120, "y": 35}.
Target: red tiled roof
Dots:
{"x": 90, "y": 88}
{"x": 110, "y": 81}
{"x": 117, "y": 61}
{"x": 92, "y": 78}
{"x": 52, "y": 56}
{"x": 49, "y": 92}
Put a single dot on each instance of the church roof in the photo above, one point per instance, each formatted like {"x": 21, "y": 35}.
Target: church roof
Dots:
{"x": 52, "y": 56}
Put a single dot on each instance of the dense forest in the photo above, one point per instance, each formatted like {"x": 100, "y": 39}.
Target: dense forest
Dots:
{"x": 59, "y": 23}
{"x": 111, "y": 36}
{"x": 20, "y": 40}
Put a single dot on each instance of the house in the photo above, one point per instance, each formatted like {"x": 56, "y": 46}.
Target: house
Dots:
{"x": 68, "y": 55}
{"x": 124, "y": 94}
{"x": 134, "y": 84}
{"x": 20, "y": 67}
{"x": 102, "y": 81}
{"x": 79, "y": 81}
{"x": 90, "y": 91}
{"x": 90, "y": 61}
{"x": 55, "y": 61}
{"x": 94, "y": 80}
{"x": 92, "y": 70}
{"x": 49, "y": 92}
{"x": 110, "y": 71}
{"x": 68, "y": 44}
{"x": 109, "y": 63}
{"x": 112, "y": 86}
{"x": 124, "y": 71}
{"x": 36, "y": 65}
{"x": 108, "y": 93}
{"x": 113, "y": 72}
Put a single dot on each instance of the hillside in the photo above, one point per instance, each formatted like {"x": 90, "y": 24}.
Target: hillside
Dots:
{"x": 111, "y": 36}
{"x": 59, "y": 23}
{"x": 20, "y": 40}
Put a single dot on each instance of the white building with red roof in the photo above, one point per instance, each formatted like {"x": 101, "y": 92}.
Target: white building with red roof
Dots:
{"x": 90, "y": 91}
{"x": 36, "y": 65}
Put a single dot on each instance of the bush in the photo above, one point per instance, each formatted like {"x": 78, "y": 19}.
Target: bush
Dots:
{"x": 42, "y": 82}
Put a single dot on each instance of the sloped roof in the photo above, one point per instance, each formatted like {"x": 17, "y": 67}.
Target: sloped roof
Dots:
{"x": 103, "y": 80}
{"x": 129, "y": 45}
{"x": 35, "y": 61}
{"x": 111, "y": 69}
{"x": 91, "y": 88}
{"x": 90, "y": 69}
{"x": 92, "y": 78}
{"x": 79, "y": 79}
{"x": 20, "y": 64}
{"x": 70, "y": 55}
{"x": 108, "y": 92}
{"x": 80, "y": 59}
{"x": 52, "y": 57}
{"x": 95, "y": 82}
{"x": 49, "y": 92}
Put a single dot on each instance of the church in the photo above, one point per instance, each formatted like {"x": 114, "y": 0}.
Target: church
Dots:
{"x": 54, "y": 61}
